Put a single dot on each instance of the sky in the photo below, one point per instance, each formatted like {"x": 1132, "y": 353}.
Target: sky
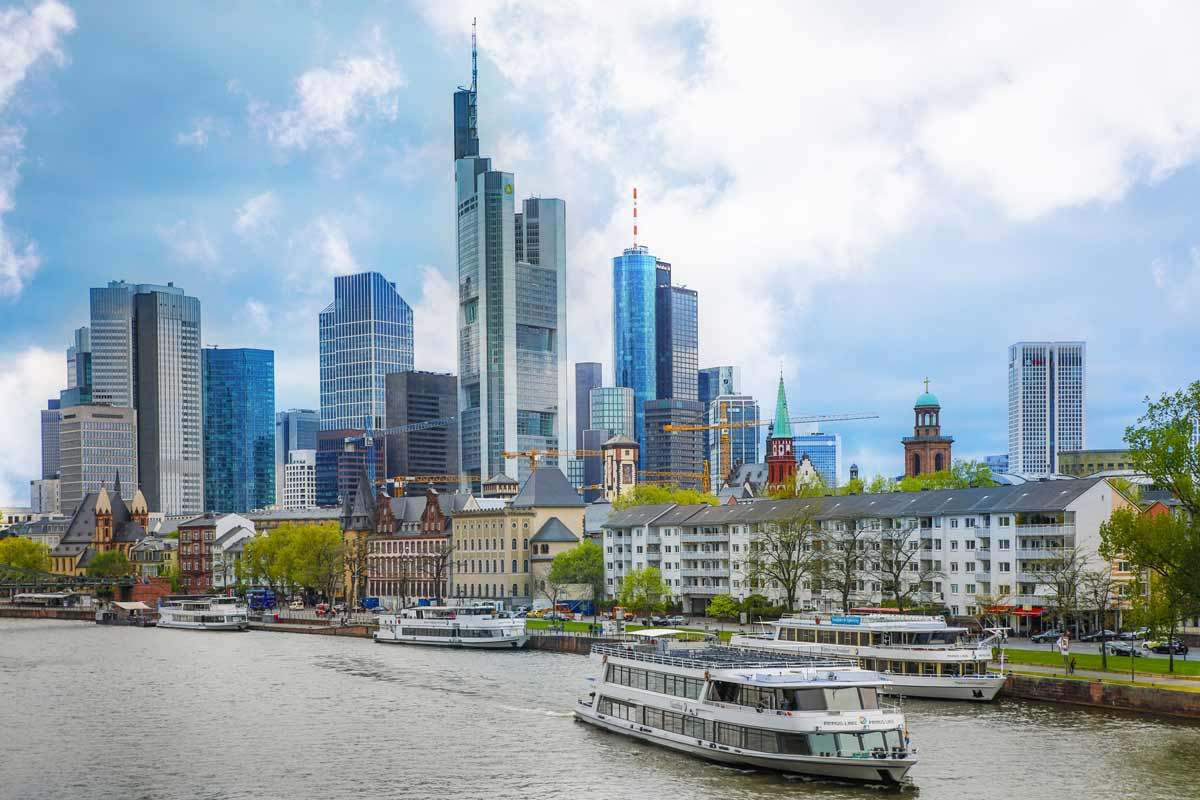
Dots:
{"x": 863, "y": 194}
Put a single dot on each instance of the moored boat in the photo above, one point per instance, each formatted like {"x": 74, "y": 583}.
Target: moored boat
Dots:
{"x": 472, "y": 626}
{"x": 771, "y": 711}
{"x": 203, "y": 613}
{"x": 921, "y": 656}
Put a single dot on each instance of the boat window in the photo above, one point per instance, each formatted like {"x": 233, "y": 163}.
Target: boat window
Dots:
{"x": 794, "y": 744}
{"x": 655, "y": 681}
{"x": 828, "y": 637}
{"x": 809, "y": 700}
{"x": 763, "y": 741}
{"x": 653, "y": 717}
{"x": 729, "y": 734}
{"x": 873, "y": 740}
{"x": 869, "y": 699}
{"x": 843, "y": 699}
{"x": 823, "y": 744}
{"x": 928, "y": 668}
{"x": 950, "y": 669}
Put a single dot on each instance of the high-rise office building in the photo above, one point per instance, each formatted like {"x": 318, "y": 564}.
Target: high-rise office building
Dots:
{"x": 341, "y": 461}
{"x": 239, "y": 429}
{"x": 997, "y": 463}
{"x": 679, "y": 453}
{"x": 51, "y": 424}
{"x": 588, "y": 375}
{"x": 737, "y": 444}
{"x": 1047, "y": 404}
{"x": 295, "y": 429}
{"x": 98, "y": 445}
{"x": 635, "y": 342}
{"x": 45, "y": 496}
{"x": 611, "y": 408}
{"x": 366, "y": 333}
{"x": 512, "y": 310}
{"x": 422, "y": 397}
{"x": 79, "y": 369}
{"x": 714, "y": 381}
{"x": 300, "y": 480}
{"x": 145, "y": 354}
{"x": 824, "y": 450}
{"x": 677, "y": 342}
{"x": 168, "y": 399}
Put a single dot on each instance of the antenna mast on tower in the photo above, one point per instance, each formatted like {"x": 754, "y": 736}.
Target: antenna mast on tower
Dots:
{"x": 474, "y": 62}
{"x": 635, "y": 216}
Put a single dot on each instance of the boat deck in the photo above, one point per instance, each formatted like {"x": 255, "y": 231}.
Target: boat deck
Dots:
{"x": 721, "y": 657}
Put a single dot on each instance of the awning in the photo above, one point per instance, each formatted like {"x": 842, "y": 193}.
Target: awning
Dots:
{"x": 138, "y": 606}
{"x": 1036, "y": 611}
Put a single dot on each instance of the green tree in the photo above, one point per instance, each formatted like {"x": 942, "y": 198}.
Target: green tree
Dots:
{"x": 646, "y": 494}
{"x": 852, "y": 486}
{"x": 961, "y": 475}
{"x": 897, "y": 565}
{"x": 723, "y": 606}
{"x": 1126, "y": 487}
{"x": 109, "y": 564}
{"x": 880, "y": 484}
{"x": 17, "y": 551}
{"x": 644, "y": 592}
{"x": 582, "y": 565}
{"x": 841, "y": 562}
{"x": 318, "y": 558}
{"x": 782, "y": 553}
{"x": 1100, "y": 592}
{"x": 792, "y": 486}
{"x": 1064, "y": 575}
{"x": 1161, "y": 445}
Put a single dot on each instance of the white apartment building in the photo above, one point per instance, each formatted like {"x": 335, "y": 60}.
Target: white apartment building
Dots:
{"x": 1047, "y": 404}
{"x": 300, "y": 480}
{"x": 969, "y": 543}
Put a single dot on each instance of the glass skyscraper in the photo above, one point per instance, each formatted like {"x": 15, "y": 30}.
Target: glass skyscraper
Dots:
{"x": 734, "y": 446}
{"x": 635, "y": 335}
{"x": 366, "y": 332}
{"x": 677, "y": 342}
{"x": 1047, "y": 404}
{"x": 712, "y": 382}
{"x": 611, "y": 408}
{"x": 239, "y": 429}
{"x": 295, "y": 429}
{"x": 51, "y": 423}
{"x": 825, "y": 452}
{"x": 512, "y": 310}
{"x": 79, "y": 369}
{"x": 588, "y": 375}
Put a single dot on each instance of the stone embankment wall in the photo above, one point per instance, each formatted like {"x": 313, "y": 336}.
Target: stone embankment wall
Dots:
{"x": 28, "y": 612}
{"x": 1104, "y": 695}
{"x": 579, "y": 645}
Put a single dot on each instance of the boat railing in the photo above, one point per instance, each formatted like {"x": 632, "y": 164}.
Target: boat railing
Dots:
{"x": 749, "y": 660}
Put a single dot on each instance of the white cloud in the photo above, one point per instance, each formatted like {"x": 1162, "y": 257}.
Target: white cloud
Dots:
{"x": 779, "y": 150}
{"x": 29, "y": 377}
{"x": 435, "y": 323}
{"x": 189, "y": 243}
{"x": 330, "y": 101}
{"x": 26, "y": 36}
{"x": 333, "y": 248}
{"x": 257, "y": 214}
{"x": 202, "y": 129}
{"x": 257, "y": 315}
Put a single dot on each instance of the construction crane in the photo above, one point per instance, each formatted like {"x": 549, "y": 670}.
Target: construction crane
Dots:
{"x": 725, "y": 426}
{"x": 369, "y": 435}
{"x": 705, "y": 476}
{"x": 535, "y": 455}
{"x": 401, "y": 480}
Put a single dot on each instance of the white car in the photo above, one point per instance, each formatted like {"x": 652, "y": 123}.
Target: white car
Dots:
{"x": 297, "y": 605}
{"x": 675, "y": 620}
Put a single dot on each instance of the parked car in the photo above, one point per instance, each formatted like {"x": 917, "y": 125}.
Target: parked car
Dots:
{"x": 1046, "y": 636}
{"x": 657, "y": 620}
{"x": 296, "y": 605}
{"x": 557, "y": 616}
{"x": 1122, "y": 649}
{"x": 675, "y": 620}
{"x": 1132, "y": 636}
{"x": 322, "y": 609}
{"x": 1165, "y": 646}
{"x": 1099, "y": 636}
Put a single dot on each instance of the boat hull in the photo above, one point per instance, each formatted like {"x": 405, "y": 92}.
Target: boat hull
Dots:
{"x": 981, "y": 689}
{"x": 866, "y": 770}
{"x": 205, "y": 626}
{"x": 507, "y": 643}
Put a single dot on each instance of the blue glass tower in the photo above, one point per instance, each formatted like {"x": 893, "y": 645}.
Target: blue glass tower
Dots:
{"x": 366, "y": 332}
{"x": 635, "y": 282}
{"x": 239, "y": 428}
{"x": 825, "y": 452}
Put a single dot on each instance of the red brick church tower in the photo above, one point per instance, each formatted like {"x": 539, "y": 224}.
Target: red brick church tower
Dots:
{"x": 926, "y": 450}
{"x": 781, "y": 462}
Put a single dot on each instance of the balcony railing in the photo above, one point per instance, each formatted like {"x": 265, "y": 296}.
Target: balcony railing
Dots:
{"x": 1039, "y": 553}
{"x": 689, "y": 536}
{"x": 1044, "y": 530}
{"x": 983, "y": 577}
{"x": 983, "y": 553}
{"x": 710, "y": 572}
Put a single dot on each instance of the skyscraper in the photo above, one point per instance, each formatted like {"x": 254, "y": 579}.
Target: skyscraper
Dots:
{"x": 635, "y": 334}
{"x": 145, "y": 354}
{"x": 416, "y": 397}
{"x": 295, "y": 429}
{"x": 732, "y": 446}
{"x": 79, "y": 369}
{"x": 611, "y": 408}
{"x": 366, "y": 332}
{"x": 588, "y": 375}
{"x": 99, "y": 445}
{"x": 714, "y": 381}
{"x": 676, "y": 341}
{"x": 680, "y": 453}
{"x": 1047, "y": 404}
{"x": 512, "y": 309}
{"x": 51, "y": 424}
{"x": 824, "y": 450}
{"x": 239, "y": 429}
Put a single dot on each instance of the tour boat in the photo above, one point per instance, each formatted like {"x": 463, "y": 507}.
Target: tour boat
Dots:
{"x": 203, "y": 613}
{"x": 921, "y": 656}
{"x": 476, "y": 626}
{"x": 771, "y": 711}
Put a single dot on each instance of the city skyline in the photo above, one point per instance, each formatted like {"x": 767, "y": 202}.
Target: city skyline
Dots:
{"x": 252, "y": 194}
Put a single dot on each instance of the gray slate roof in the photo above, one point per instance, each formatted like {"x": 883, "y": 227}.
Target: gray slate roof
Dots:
{"x": 547, "y": 487}
{"x": 499, "y": 479}
{"x": 82, "y": 527}
{"x": 554, "y": 531}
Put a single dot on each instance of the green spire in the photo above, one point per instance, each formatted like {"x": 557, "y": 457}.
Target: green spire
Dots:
{"x": 783, "y": 423}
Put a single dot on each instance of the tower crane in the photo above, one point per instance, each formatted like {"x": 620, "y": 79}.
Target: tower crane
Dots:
{"x": 369, "y": 435}
{"x": 535, "y": 455}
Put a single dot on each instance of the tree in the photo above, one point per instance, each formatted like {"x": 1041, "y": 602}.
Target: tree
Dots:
{"x": 1126, "y": 487}
{"x": 1063, "y": 574}
{"x": 318, "y": 558}
{"x": 841, "y": 562}
{"x": 1100, "y": 591}
{"x": 582, "y": 565}
{"x": 645, "y": 494}
{"x": 22, "y": 553}
{"x": 435, "y": 566}
{"x": 880, "y": 484}
{"x": 643, "y": 591}
{"x": 1163, "y": 445}
{"x": 792, "y": 486}
{"x": 852, "y": 486}
{"x": 961, "y": 475}
{"x": 782, "y": 553}
{"x": 985, "y": 608}
{"x": 723, "y": 606}
{"x": 109, "y": 564}
{"x": 898, "y": 566}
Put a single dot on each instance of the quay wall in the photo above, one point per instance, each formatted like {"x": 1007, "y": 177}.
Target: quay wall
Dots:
{"x": 30, "y": 612}
{"x": 1098, "y": 694}
{"x": 579, "y": 645}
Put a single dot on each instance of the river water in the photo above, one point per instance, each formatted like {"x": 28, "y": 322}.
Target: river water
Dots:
{"x": 102, "y": 712}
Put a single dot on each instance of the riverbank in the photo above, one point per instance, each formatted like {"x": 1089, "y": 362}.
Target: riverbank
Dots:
{"x": 21, "y": 612}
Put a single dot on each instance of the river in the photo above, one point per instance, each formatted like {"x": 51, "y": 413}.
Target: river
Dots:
{"x": 102, "y": 712}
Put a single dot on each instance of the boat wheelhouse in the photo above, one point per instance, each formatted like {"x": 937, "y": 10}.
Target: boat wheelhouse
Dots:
{"x": 473, "y": 626}
{"x": 921, "y": 655}
{"x": 203, "y": 613}
{"x": 766, "y": 710}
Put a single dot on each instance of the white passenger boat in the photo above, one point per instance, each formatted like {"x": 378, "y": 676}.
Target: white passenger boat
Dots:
{"x": 921, "y": 655}
{"x": 750, "y": 708}
{"x": 477, "y": 626}
{"x": 203, "y": 613}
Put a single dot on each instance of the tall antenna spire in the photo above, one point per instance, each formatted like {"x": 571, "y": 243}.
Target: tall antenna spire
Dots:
{"x": 635, "y": 216}
{"x": 474, "y": 57}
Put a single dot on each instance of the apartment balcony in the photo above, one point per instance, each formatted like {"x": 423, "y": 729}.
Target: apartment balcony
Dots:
{"x": 688, "y": 536}
{"x": 705, "y": 554}
{"x": 983, "y": 577}
{"x": 723, "y": 588}
{"x": 982, "y": 554}
{"x": 713, "y": 572}
{"x": 1039, "y": 553}
{"x": 1043, "y": 530}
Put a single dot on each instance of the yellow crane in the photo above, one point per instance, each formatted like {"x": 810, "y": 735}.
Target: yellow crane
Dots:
{"x": 401, "y": 480}
{"x": 704, "y": 476}
{"x": 535, "y": 455}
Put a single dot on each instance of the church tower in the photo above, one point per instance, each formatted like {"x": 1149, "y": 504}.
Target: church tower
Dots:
{"x": 781, "y": 462}
{"x": 926, "y": 451}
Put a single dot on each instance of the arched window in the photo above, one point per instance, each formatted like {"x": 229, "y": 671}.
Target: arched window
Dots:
{"x": 916, "y": 464}
{"x": 514, "y": 547}
{"x": 938, "y": 466}
{"x": 514, "y": 569}
{"x": 514, "y": 590}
